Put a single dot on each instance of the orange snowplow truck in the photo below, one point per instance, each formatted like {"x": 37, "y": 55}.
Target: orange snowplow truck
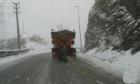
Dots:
{"x": 62, "y": 44}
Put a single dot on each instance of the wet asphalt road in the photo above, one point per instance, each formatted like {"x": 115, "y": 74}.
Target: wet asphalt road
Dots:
{"x": 41, "y": 69}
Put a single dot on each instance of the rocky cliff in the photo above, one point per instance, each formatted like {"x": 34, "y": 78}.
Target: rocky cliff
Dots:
{"x": 114, "y": 23}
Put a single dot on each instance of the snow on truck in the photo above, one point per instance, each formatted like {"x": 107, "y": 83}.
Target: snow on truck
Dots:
{"x": 62, "y": 44}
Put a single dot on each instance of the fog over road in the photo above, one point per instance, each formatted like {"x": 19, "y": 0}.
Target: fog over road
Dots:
{"x": 41, "y": 69}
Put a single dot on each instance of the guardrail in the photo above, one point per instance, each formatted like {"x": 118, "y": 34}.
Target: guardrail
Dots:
{"x": 5, "y": 53}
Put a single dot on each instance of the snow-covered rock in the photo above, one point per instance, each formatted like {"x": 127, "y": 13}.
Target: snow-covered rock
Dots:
{"x": 117, "y": 21}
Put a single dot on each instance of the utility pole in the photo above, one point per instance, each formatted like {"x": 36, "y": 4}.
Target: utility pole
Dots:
{"x": 16, "y": 7}
{"x": 78, "y": 12}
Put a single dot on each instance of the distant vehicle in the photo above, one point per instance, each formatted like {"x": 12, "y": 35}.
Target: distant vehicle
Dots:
{"x": 62, "y": 44}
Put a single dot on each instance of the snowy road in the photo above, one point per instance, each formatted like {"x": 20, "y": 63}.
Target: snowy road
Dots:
{"x": 41, "y": 69}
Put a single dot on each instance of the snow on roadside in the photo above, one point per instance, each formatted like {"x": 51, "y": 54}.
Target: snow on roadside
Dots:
{"x": 34, "y": 51}
{"x": 122, "y": 65}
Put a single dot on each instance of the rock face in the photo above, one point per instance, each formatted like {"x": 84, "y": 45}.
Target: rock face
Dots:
{"x": 114, "y": 23}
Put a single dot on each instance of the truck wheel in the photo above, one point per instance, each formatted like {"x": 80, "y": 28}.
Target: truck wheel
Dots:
{"x": 54, "y": 53}
{"x": 73, "y": 52}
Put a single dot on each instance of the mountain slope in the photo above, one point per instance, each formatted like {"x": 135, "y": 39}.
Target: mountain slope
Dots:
{"x": 114, "y": 23}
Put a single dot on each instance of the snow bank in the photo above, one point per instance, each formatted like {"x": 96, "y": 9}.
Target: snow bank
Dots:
{"x": 5, "y": 53}
{"x": 9, "y": 59}
{"x": 121, "y": 64}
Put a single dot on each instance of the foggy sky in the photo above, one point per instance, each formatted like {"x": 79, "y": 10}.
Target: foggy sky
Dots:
{"x": 40, "y": 16}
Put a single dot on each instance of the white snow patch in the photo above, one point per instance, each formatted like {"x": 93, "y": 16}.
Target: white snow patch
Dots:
{"x": 122, "y": 65}
{"x": 130, "y": 75}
